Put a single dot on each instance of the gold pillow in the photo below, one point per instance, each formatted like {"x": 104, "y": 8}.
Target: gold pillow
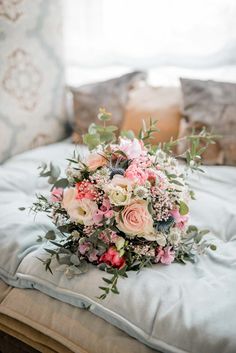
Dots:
{"x": 159, "y": 103}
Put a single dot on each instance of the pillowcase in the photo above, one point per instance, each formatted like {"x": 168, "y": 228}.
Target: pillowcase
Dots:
{"x": 159, "y": 103}
{"x": 31, "y": 75}
{"x": 213, "y": 105}
{"x": 111, "y": 94}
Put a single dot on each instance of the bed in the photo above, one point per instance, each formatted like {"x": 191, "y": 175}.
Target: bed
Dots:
{"x": 46, "y": 312}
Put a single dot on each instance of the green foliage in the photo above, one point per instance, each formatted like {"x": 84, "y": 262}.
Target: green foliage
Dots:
{"x": 111, "y": 283}
{"x": 129, "y": 134}
{"x": 183, "y": 208}
{"x": 146, "y": 133}
{"x": 196, "y": 143}
{"x": 100, "y": 134}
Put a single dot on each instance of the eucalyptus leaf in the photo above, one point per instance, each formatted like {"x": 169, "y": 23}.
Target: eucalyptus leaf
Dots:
{"x": 183, "y": 208}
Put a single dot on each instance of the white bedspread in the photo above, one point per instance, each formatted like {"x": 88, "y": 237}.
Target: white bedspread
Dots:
{"x": 177, "y": 308}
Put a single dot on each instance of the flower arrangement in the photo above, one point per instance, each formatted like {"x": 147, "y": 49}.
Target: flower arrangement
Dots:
{"x": 124, "y": 206}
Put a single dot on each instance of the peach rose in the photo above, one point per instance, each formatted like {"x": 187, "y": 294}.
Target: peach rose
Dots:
{"x": 136, "y": 220}
{"x": 95, "y": 161}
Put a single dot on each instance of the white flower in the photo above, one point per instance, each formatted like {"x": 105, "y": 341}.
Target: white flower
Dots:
{"x": 119, "y": 196}
{"x": 80, "y": 211}
{"x": 174, "y": 236}
{"x": 141, "y": 192}
{"x": 158, "y": 237}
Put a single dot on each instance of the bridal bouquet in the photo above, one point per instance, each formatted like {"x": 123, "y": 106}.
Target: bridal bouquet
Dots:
{"x": 123, "y": 206}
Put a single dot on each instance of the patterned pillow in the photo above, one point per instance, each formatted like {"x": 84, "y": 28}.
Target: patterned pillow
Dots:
{"x": 213, "y": 105}
{"x": 31, "y": 75}
{"x": 111, "y": 94}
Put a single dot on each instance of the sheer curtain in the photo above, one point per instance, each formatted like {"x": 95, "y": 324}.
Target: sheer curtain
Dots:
{"x": 150, "y": 34}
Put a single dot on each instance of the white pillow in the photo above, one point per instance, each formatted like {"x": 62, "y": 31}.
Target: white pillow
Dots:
{"x": 31, "y": 75}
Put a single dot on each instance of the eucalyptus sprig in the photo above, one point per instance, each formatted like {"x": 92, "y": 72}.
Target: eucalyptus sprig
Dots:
{"x": 100, "y": 134}
{"x": 196, "y": 145}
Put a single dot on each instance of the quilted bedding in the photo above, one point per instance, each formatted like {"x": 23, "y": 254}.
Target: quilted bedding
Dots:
{"x": 177, "y": 308}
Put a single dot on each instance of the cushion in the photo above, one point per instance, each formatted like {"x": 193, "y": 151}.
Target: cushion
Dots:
{"x": 38, "y": 317}
{"x": 177, "y": 308}
{"x": 159, "y": 103}
{"x": 213, "y": 105}
{"x": 111, "y": 94}
{"x": 31, "y": 75}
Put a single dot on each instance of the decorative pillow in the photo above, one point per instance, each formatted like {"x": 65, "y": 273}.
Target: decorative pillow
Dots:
{"x": 213, "y": 105}
{"x": 111, "y": 94}
{"x": 159, "y": 103}
{"x": 31, "y": 75}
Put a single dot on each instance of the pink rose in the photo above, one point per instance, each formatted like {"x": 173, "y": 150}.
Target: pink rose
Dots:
{"x": 165, "y": 255}
{"x": 179, "y": 219}
{"x": 57, "y": 194}
{"x": 112, "y": 258}
{"x": 135, "y": 173}
{"x": 95, "y": 161}
{"x": 135, "y": 219}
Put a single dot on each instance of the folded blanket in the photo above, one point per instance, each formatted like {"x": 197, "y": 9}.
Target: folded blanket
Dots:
{"x": 177, "y": 308}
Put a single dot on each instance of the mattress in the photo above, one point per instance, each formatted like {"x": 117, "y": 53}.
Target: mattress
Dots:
{"x": 174, "y": 308}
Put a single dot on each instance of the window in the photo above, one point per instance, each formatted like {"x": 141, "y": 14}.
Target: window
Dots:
{"x": 148, "y": 34}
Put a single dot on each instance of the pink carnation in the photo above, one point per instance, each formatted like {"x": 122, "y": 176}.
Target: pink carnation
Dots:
{"x": 135, "y": 173}
{"x": 85, "y": 190}
{"x": 179, "y": 219}
{"x": 112, "y": 258}
{"x": 57, "y": 194}
{"x": 165, "y": 255}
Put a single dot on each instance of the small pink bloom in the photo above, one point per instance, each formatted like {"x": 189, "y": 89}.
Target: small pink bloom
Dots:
{"x": 57, "y": 194}
{"x": 108, "y": 238}
{"x": 112, "y": 258}
{"x": 84, "y": 247}
{"x": 137, "y": 174}
{"x": 179, "y": 219}
{"x": 165, "y": 255}
{"x": 151, "y": 176}
{"x": 104, "y": 211}
{"x": 85, "y": 190}
{"x": 93, "y": 256}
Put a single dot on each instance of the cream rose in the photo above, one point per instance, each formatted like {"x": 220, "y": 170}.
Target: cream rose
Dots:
{"x": 136, "y": 220}
{"x": 95, "y": 161}
{"x": 119, "y": 196}
{"x": 120, "y": 180}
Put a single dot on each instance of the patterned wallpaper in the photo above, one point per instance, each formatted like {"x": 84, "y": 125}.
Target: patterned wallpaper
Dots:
{"x": 31, "y": 75}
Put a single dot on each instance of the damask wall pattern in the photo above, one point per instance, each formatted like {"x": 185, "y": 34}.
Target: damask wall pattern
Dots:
{"x": 32, "y": 90}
